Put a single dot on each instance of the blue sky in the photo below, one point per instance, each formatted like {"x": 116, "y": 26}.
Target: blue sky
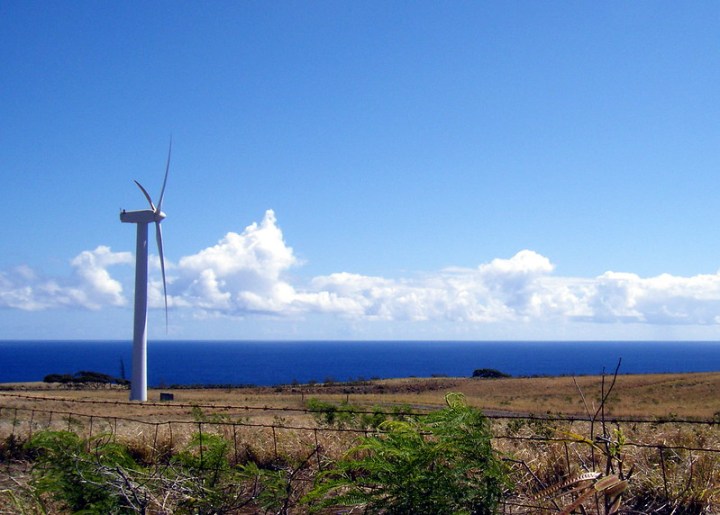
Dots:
{"x": 379, "y": 170}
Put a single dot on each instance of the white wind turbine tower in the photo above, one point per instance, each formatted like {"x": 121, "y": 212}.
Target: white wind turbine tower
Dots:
{"x": 138, "y": 386}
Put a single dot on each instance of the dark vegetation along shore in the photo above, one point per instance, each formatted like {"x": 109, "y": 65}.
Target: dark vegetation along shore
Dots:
{"x": 487, "y": 444}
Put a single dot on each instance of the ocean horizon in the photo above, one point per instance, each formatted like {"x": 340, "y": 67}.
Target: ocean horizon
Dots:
{"x": 263, "y": 363}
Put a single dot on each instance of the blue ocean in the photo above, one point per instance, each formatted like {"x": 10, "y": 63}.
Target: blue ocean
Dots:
{"x": 283, "y": 362}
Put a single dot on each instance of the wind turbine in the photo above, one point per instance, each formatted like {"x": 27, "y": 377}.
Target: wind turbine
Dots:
{"x": 138, "y": 386}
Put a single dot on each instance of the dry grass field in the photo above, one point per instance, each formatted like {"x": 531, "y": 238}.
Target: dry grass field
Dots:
{"x": 674, "y": 463}
{"x": 682, "y": 396}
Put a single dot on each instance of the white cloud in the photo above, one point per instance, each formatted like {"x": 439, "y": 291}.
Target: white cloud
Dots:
{"x": 260, "y": 249}
{"x": 504, "y": 289}
{"x": 241, "y": 274}
{"x": 247, "y": 273}
{"x": 89, "y": 287}
{"x": 664, "y": 299}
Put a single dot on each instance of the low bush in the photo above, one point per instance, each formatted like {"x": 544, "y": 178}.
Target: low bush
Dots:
{"x": 346, "y": 415}
{"x": 442, "y": 463}
{"x": 489, "y": 373}
{"x": 83, "y": 377}
{"x": 75, "y": 472}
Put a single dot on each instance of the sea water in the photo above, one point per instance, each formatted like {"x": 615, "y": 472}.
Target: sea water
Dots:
{"x": 284, "y": 362}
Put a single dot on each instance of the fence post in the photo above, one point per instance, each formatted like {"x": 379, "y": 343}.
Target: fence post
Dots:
{"x": 662, "y": 463}
{"x": 235, "y": 442}
{"x": 200, "y": 436}
{"x": 30, "y": 424}
{"x": 317, "y": 450}
{"x": 274, "y": 441}
{"x": 155, "y": 449}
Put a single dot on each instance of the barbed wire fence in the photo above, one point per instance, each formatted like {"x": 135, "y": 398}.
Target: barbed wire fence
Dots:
{"x": 270, "y": 443}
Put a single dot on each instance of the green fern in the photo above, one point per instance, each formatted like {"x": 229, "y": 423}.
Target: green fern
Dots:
{"x": 69, "y": 468}
{"x": 442, "y": 463}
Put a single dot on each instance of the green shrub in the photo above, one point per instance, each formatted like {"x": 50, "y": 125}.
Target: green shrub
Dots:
{"x": 442, "y": 463}
{"x": 206, "y": 456}
{"x": 346, "y": 415}
{"x": 271, "y": 489}
{"x": 71, "y": 470}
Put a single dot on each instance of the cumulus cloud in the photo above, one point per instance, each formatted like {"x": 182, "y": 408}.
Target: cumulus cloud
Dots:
{"x": 248, "y": 273}
{"x": 242, "y": 274}
{"x": 90, "y": 286}
{"x": 504, "y": 289}
{"x": 664, "y": 299}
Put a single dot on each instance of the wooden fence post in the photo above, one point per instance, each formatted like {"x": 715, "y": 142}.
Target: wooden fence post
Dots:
{"x": 200, "y": 436}
{"x": 317, "y": 450}
{"x": 662, "y": 463}
{"x": 235, "y": 442}
{"x": 30, "y": 424}
{"x": 275, "y": 442}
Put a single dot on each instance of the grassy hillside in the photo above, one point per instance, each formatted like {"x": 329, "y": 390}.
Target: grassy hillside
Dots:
{"x": 274, "y": 437}
{"x": 654, "y": 395}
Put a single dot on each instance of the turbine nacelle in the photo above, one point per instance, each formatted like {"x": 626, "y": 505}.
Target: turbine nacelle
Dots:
{"x": 144, "y": 216}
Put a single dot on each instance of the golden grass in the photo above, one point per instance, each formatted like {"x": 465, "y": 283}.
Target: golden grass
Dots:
{"x": 654, "y": 395}
{"x": 267, "y": 433}
{"x": 662, "y": 395}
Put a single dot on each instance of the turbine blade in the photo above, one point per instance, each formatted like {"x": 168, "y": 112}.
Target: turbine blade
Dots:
{"x": 167, "y": 169}
{"x": 147, "y": 195}
{"x": 158, "y": 236}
